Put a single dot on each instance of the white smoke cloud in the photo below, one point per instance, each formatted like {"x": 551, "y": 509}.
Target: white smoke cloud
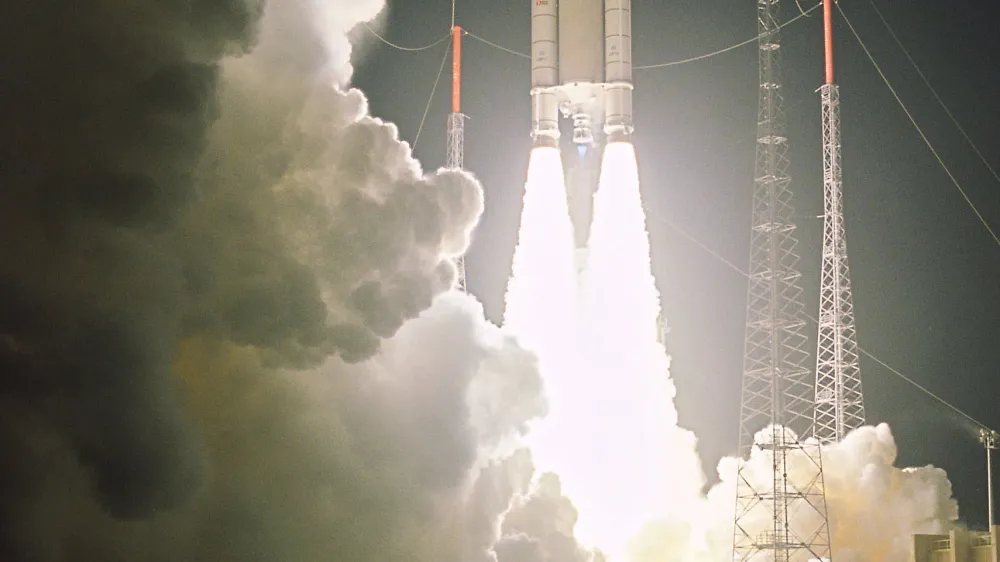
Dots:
{"x": 874, "y": 507}
{"x": 405, "y": 454}
{"x": 540, "y": 525}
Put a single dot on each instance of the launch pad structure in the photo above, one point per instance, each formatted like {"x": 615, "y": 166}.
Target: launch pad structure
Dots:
{"x": 776, "y": 418}
{"x": 840, "y": 405}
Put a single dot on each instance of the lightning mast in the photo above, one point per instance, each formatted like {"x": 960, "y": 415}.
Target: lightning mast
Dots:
{"x": 456, "y": 123}
{"x": 839, "y": 402}
{"x": 783, "y": 517}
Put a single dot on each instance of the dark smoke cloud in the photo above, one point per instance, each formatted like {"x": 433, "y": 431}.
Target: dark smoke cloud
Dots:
{"x": 222, "y": 334}
{"x": 106, "y": 113}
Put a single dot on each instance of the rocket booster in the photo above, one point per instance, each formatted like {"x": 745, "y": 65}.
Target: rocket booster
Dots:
{"x": 618, "y": 69}
{"x": 544, "y": 72}
{"x": 581, "y": 66}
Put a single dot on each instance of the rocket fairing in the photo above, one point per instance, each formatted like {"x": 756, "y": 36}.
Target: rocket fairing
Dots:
{"x": 581, "y": 66}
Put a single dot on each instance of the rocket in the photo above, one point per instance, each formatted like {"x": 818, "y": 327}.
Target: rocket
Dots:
{"x": 581, "y": 67}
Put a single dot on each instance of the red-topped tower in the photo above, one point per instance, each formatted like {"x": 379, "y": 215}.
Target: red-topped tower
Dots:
{"x": 456, "y": 125}
{"x": 839, "y": 404}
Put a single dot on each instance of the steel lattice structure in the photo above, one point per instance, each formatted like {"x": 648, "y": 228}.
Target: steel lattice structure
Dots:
{"x": 783, "y": 517}
{"x": 839, "y": 402}
{"x": 456, "y": 159}
{"x": 456, "y": 126}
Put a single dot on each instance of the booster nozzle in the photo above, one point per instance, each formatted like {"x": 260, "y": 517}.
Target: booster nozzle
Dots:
{"x": 618, "y": 117}
{"x": 544, "y": 117}
{"x": 619, "y": 132}
{"x": 544, "y": 139}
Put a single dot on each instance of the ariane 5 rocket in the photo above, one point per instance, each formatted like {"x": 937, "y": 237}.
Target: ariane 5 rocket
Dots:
{"x": 581, "y": 67}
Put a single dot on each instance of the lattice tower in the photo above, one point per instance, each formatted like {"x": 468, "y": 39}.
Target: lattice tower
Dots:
{"x": 456, "y": 127}
{"x": 781, "y": 517}
{"x": 456, "y": 159}
{"x": 839, "y": 401}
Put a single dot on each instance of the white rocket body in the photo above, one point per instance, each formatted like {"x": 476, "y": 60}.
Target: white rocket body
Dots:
{"x": 581, "y": 66}
{"x": 544, "y": 72}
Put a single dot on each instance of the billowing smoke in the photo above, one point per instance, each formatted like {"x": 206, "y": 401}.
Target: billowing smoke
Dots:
{"x": 874, "y": 507}
{"x": 540, "y": 523}
{"x": 540, "y": 527}
{"x": 226, "y": 331}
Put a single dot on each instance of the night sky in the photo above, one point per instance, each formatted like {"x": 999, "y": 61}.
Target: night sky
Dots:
{"x": 925, "y": 272}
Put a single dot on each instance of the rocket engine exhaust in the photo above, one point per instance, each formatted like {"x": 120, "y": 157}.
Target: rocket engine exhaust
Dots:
{"x": 605, "y": 371}
{"x": 583, "y": 298}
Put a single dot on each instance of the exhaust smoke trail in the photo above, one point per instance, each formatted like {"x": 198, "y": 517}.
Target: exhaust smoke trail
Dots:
{"x": 612, "y": 435}
{"x": 541, "y": 292}
{"x": 641, "y": 497}
{"x": 541, "y": 297}
{"x": 642, "y": 467}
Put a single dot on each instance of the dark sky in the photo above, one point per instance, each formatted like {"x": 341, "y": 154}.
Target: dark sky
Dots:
{"x": 926, "y": 273}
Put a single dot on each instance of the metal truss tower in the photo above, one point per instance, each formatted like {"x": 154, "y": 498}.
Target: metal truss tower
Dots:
{"x": 839, "y": 401}
{"x": 780, "y": 516}
{"x": 456, "y": 126}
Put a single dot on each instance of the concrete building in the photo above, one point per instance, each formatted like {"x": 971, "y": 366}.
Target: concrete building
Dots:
{"x": 957, "y": 546}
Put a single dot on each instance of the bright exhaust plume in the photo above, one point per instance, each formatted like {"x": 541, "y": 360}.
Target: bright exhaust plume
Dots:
{"x": 541, "y": 294}
{"x": 612, "y": 433}
{"x": 644, "y": 468}
{"x": 541, "y": 299}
